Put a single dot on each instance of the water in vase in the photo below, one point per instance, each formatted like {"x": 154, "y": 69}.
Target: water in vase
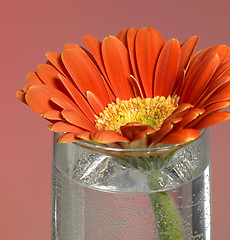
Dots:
{"x": 95, "y": 198}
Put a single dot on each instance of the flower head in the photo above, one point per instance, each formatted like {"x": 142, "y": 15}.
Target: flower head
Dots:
{"x": 131, "y": 91}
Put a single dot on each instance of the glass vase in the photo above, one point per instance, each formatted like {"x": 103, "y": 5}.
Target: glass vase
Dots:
{"x": 104, "y": 193}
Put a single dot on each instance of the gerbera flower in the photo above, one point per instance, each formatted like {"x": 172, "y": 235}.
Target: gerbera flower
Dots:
{"x": 131, "y": 91}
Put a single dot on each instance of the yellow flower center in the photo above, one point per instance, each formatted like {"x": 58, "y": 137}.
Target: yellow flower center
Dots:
{"x": 151, "y": 111}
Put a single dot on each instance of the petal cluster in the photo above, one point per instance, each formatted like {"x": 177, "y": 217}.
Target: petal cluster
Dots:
{"x": 74, "y": 87}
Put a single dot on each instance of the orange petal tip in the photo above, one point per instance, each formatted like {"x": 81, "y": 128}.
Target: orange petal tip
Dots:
{"x": 108, "y": 136}
{"x": 181, "y": 136}
{"x": 66, "y": 138}
{"x": 21, "y": 96}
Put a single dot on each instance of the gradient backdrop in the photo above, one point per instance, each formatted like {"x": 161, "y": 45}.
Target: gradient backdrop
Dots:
{"x": 29, "y": 29}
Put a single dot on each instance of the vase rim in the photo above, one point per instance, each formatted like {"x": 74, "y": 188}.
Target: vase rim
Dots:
{"x": 159, "y": 149}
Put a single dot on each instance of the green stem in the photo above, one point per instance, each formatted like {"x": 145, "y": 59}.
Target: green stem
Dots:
{"x": 167, "y": 217}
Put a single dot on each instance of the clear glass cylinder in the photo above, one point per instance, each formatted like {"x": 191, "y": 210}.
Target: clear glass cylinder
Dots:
{"x": 95, "y": 196}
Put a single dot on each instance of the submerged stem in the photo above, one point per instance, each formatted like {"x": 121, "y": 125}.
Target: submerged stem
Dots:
{"x": 167, "y": 217}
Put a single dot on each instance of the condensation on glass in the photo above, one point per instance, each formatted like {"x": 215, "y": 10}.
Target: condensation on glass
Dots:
{"x": 94, "y": 198}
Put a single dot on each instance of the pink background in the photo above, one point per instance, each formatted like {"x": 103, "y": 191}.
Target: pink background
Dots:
{"x": 29, "y": 29}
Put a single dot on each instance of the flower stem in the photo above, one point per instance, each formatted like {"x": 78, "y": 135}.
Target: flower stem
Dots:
{"x": 167, "y": 217}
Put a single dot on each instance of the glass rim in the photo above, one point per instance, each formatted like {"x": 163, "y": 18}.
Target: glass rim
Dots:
{"x": 98, "y": 147}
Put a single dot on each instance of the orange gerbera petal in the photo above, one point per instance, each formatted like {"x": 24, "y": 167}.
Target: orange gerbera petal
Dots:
{"x": 55, "y": 60}
{"x": 216, "y": 107}
{"x": 132, "y": 131}
{"x": 107, "y": 136}
{"x": 83, "y": 136}
{"x": 21, "y": 96}
{"x": 180, "y": 111}
{"x": 128, "y": 38}
{"x": 32, "y": 77}
{"x": 52, "y": 115}
{"x": 117, "y": 65}
{"x": 221, "y": 50}
{"x": 136, "y": 87}
{"x": 69, "y": 46}
{"x": 94, "y": 46}
{"x": 48, "y": 74}
{"x": 167, "y": 68}
{"x": 122, "y": 36}
{"x": 212, "y": 89}
{"x": 181, "y": 136}
{"x": 178, "y": 87}
{"x": 78, "y": 98}
{"x": 85, "y": 74}
{"x": 94, "y": 102}
{"x": 221, "y": 71}
{"x": 64, "y": 127}
{"x": 38, "y": 97}
{"x": 209, "y": 110}
{"x": 225, "y": 88}
{"x": 166, "y": 127}
{"x": 30, "y": 84}
{"x": 78, "y": 120}
{"x": 198, "y": 78}
{"x": 131, "y": 39}
{"x": 62, "y": 103}
{"x": 214, "y": 118}
{"x": 187, "y": 50}
{"x": 66, "y": 138}
{"x": 148, "y": 44}
{"x": 219, "y": 97}
{"x": 169, "y": 123}
{"x": 188, "y": 117}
